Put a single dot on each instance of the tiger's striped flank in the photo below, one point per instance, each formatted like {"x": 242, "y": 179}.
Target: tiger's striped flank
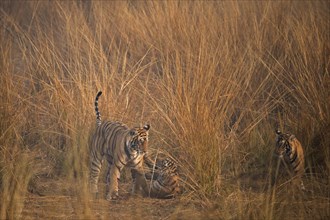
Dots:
{"x": 290, "y": 150}
{"x": 121, "y": 147}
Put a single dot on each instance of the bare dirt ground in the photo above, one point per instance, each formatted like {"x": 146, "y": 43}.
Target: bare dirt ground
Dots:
{"x": 55, "y": 199}
{"x": 51, "y": 196}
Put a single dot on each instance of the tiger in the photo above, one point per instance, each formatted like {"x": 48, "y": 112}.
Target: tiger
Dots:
{"x": 122, "y": 147}
{"x": 164, "y": 182}
{"x": 290, "y": 151}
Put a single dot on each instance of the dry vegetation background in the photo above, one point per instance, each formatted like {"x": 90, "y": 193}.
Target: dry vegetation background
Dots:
{"x": 214, "y": 79}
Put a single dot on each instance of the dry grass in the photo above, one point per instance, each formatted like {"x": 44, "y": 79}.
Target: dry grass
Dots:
{"x": 214, "y": 79}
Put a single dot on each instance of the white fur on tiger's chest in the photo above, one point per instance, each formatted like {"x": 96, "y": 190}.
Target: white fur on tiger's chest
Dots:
{"x": 135, "y": 158}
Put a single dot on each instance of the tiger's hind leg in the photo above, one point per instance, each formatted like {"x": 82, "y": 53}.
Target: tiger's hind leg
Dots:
{"x": 96, "y": 164}
{"x": 108, "y": 179}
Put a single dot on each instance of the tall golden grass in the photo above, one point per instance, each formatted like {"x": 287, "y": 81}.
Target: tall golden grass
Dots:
{"x": 214, "y": 79}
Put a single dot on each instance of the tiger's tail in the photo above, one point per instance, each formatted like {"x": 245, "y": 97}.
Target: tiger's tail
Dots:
{"x": 98, "y": 114}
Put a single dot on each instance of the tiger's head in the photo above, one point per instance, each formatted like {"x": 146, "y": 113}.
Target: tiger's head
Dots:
{"x": 168, "y": 166}
{"x": 139, "y": 139}
{"x": 283, "y": 146}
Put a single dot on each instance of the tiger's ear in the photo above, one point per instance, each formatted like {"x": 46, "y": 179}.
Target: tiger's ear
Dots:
{"x": 132, "y": 132}
{"x": 146, "y": 127}
{"x": 278, "y": 132}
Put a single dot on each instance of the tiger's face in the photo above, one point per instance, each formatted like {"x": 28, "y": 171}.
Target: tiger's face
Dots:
{"x": 139, "y": 141}
{"x": 283, "y": 147}
{"x": 168, "y": 166}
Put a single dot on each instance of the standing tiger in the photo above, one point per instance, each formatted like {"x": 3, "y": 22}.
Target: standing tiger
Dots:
{"x": 121, "y": 146}
{"x": 290, "y": 151}
{"x": 164, "y": 181}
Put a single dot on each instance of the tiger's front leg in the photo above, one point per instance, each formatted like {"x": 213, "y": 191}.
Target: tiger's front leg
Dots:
{"x": 113, "y": 176}
{"x": 138, "y": 181}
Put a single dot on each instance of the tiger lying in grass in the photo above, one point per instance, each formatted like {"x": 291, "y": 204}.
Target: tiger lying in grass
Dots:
{"x": 162, "y": 182}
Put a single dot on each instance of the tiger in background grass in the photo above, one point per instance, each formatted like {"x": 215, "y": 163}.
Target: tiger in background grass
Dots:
{"x": 164, "y": 181}
{"x": 122, "y": 147}
{"x": 290, "y": 151}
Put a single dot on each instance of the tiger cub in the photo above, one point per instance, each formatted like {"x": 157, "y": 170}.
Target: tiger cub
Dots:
{"x": 164, "y": 181}
{"x": 290, "y": 151}
{"x": 122, "y": 147}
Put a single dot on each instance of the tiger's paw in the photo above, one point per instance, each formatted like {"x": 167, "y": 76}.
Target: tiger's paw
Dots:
{"x": 113, "y": 196}
{"x": 136, "y": 195}
{"x": 136, "y": 192}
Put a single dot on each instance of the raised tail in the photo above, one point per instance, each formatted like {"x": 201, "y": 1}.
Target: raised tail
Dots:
{"x": 98, "y": 114}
